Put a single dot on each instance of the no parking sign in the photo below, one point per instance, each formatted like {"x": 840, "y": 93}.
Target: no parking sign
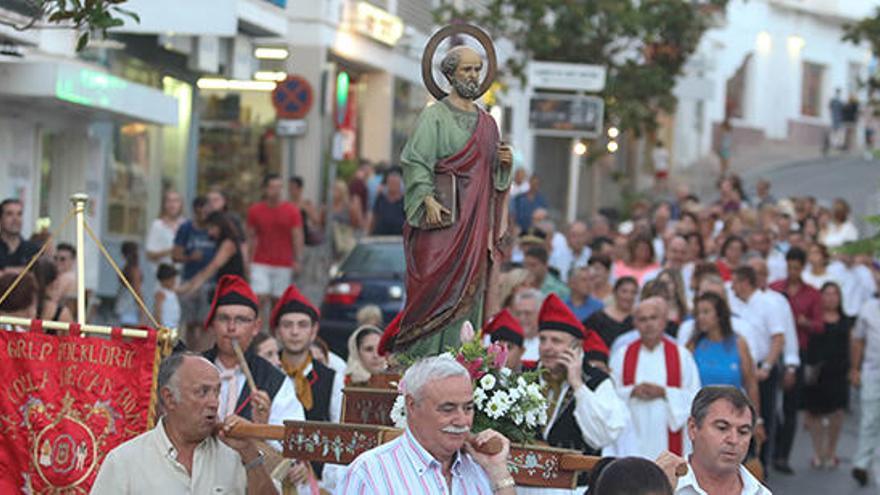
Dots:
{"x": 292, "y": 98}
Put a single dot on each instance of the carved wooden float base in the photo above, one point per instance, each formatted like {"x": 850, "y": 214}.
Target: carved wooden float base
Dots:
{"x": 530, "y": 465}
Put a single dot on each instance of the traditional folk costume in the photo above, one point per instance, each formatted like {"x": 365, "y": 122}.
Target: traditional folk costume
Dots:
{"x": 234, "y": 391}
{"x": 658, "y": 424}
{"x": 318, "y": 387}
{"x": 586, "y": 419}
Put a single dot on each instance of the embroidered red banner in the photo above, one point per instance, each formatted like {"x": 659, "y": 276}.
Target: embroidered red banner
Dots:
{"x": 65, "y": 403}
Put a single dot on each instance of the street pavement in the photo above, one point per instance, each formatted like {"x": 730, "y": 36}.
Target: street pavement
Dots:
{"x": 809, "y": 481}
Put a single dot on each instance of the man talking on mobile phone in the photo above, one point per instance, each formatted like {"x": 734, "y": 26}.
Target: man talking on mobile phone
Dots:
{"x": 584, "y": 412}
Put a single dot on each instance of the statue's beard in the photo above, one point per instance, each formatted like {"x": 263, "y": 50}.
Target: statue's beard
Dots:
{"x": 466, "y": 88}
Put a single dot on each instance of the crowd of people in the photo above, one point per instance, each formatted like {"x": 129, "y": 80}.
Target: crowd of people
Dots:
{"x": 675, "y": 313}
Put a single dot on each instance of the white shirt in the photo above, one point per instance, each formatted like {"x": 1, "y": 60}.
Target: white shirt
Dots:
{"x": 650, "y": 421}
{"x": 405, "y": 466}
{"x": 777, "y": 267}
{"x": 867, "y": 328}
{"x": 147, "y": 464}
{"x": 337, "y": 364}
{"x": 816, "y": 281}
{"x": 564, "y": 260}
{"x": 857, "y": 285}
{"x": 170, "y": 308}
{"x": 531, "y": 345}
{"x": 600, "y": 414}
{"x": 285, "y": 405}
{"x": 761, "y": 313}
{"x": 837, "y": 235}
{"x": 783, "y": 315}
{"x": 688, "y": 485}
{"x": 160, "y": 238}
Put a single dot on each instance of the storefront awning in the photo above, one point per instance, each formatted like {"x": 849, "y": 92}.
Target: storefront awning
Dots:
{"x": 89, "y": 87}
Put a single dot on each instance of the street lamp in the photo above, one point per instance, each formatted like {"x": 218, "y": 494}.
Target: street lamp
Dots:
{"x": 613, "y": 132}
{"x": 612, "y": 146}
{"x": 580, "y": 148}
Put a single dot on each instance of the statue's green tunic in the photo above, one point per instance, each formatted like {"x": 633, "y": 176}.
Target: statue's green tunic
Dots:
{"x": 442, "y": 131}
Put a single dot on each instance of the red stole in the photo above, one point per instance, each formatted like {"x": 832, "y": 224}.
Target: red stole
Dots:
{"x": 673, "y": 379}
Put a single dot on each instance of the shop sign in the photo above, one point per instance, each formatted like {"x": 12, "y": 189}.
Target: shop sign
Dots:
{"x": 378, "y": 24}
{"x": 569, "y": 77}
{"x": 292, "y": 98}
{"x": 291, "y": 127}
{"x": 566, "y": 115}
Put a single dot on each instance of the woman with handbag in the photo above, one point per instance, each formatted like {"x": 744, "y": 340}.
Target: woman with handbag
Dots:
{"x": 826, "y": 390}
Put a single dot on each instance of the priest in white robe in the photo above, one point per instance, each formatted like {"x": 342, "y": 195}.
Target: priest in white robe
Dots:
{"x": 658, "y": 380}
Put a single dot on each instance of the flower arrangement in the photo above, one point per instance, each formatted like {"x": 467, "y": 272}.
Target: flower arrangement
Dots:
{"x": 511, "y": 403}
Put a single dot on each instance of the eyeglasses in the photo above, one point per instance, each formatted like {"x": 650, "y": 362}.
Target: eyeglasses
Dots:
{"x": 238, "y": 321}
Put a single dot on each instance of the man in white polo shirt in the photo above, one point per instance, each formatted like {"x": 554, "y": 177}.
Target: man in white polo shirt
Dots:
{"x": 720, "y": 428}
{"x": 865, "y": 373}
{"x": 750, "y": 303}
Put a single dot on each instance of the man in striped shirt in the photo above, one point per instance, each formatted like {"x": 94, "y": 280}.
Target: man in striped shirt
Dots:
{"x": 435, "y": 454}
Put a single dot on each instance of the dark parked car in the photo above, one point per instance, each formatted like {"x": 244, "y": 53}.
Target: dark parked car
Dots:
{"x": 372, "y": 273}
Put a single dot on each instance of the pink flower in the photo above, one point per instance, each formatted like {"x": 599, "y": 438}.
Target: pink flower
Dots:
{"x": 466, "y": 334}
{"x": 500, "y": 355}
{"x": 473, "y": 367}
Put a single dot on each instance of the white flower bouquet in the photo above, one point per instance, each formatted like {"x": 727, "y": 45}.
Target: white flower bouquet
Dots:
{"x": 510, "y": 403}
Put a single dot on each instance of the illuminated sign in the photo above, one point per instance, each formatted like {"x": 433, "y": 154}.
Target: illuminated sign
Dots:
{"x": 89, "y": 87}
{"x": 378, "y": 24}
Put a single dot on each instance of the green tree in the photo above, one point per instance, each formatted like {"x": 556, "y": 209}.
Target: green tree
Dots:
{"x": 644, "y": 44}
{"x": 88, "y": 17}
{"x": 867, "y": 30}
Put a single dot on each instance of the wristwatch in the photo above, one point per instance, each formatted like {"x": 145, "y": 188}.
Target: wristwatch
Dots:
{"x": 505, "y": 483}
{"x": 256, "y": 461}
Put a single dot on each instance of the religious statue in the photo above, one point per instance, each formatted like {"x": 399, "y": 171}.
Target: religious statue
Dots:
{"x": 457, "y": 174}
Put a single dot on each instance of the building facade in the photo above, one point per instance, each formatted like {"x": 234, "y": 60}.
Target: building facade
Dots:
{"x": 771, "y": 68}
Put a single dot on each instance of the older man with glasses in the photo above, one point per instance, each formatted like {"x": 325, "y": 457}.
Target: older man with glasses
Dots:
{"x": 234, "y": 318}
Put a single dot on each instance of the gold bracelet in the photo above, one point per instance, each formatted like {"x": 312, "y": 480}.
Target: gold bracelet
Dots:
{"x": 505, "y": 483}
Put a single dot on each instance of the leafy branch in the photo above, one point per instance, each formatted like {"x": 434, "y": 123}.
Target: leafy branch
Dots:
{"x": 88, "y": 17}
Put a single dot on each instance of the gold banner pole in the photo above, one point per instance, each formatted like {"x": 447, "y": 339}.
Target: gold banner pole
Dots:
{"x": 79, "y": 203}
{"x": 96, "y": 329}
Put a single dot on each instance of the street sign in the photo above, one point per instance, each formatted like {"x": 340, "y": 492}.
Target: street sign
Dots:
{"x": 564, "y": 76}
{"x": 292, "y": 98}
{"x": 566, "y": 115}
{"x": 291, "y": 127}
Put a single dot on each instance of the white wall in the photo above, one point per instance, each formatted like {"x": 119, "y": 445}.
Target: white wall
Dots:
{"x": 772, "y": 32}
{"x": 18, "y": 151}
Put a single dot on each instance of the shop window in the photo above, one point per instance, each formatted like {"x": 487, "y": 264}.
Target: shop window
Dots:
{"x": 811, "y": 89}
{"x": 237, "y": 145}
{"x": 129, "y": 171}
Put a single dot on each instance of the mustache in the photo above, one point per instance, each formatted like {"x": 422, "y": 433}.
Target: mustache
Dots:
{"x": 456, "y": 430}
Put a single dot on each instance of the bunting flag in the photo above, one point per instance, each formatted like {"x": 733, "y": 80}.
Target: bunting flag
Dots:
{"x": 66, "y": 403}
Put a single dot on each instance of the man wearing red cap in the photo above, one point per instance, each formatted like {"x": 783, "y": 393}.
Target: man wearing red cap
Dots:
{"x": 504, "y": 328}
{"x": 658, "y": 379}
{"x": 234, "y": 317}
{"x": 294, "y": 321}
{"x": 584, "y": 411}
